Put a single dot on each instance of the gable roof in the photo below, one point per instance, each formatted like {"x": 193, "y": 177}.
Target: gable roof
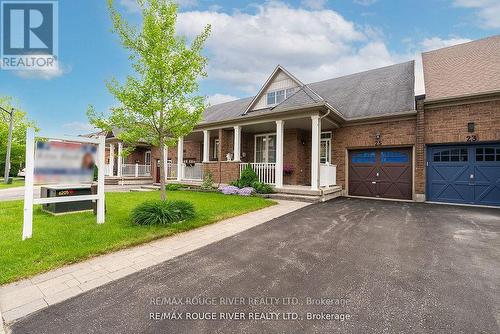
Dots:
{"x": 463, "y": 69}
{"x": 375, "y": 92}
{"x": 302, "y": 97}
{"x": 268, "y": 82}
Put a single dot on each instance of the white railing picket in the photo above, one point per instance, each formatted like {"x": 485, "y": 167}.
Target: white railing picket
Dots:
{"x": 265, "y": 171}
{"x": 136, "y": 170}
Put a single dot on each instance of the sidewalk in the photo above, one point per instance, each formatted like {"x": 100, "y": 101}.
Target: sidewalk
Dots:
{"x": 21, "y": 298}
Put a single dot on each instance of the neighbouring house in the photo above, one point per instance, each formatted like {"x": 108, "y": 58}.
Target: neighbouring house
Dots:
{"x": 364, "y": 134}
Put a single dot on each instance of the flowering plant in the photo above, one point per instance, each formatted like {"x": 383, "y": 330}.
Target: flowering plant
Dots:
{"x": 232, "y": 190}
{"x": 288, "y": 169}
{"x": 247, "y": 191}
{"x": 229, "y": 190}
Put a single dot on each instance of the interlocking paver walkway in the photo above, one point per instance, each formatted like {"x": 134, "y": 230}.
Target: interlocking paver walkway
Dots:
{"x": 21, "y": 298}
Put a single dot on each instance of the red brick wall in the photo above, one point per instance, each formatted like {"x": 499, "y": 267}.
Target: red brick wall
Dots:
{"x": 449, "y": 124}
{"x": 394, "y": 133}
{"x": 191, "y": 150}
{"x": 226, "y": 143}
{"x": 295, "y": 154}
{"x": 223, "y": 172}
{"x": 247, "y": 146}
{"x": 420, "y": 149}
{"x": 136, "y": 156}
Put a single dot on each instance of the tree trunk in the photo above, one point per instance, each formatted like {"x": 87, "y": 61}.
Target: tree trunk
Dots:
{"x": 163, "y": 171}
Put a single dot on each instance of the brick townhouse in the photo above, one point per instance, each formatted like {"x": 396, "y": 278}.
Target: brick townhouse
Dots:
{"x": 364, "y": 134}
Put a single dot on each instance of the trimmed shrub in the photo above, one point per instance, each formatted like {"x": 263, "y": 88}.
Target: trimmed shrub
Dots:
{"x": 208, "y": 182}
{"x": 262, "y": 188}
{"x": 162, "y": 212}
{"x": 173, "y": 186}
{"x": 247, "y": 178}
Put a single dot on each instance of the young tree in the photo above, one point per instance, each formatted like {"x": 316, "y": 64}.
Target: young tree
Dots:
{"x": 18, "y": 149}
{"x": 160, "y": 103}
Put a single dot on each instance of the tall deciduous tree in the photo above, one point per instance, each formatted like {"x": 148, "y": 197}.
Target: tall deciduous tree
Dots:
{"x": 159, "y": 103}
{"x": 21, "y": 123}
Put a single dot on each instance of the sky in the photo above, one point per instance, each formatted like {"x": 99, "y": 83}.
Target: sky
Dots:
{"x": 313, "y": 39}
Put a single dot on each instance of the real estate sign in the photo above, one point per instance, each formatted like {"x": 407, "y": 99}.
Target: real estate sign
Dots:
{"x": 62, "y": 161}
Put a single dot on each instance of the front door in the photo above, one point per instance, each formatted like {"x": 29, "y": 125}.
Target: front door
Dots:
{"x": 158, "y": 171}
{"x": 385, "y": 173}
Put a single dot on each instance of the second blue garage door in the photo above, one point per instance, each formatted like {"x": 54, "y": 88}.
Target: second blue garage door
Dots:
{"x": 466, "y": 174}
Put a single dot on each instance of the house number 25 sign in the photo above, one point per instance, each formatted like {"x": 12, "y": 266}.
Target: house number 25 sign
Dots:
{"x": 471, "y": 138}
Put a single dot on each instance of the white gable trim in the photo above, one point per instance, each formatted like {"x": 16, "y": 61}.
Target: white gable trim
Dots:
{"x": 268, "y": 81}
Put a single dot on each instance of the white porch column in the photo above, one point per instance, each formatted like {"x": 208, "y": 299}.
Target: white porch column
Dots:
{"x": 206, "y": 146}
{"x": 165, "y": 160}
{"x": 180, "y": 158}
{"x": 315, "y": 140}
{"x": 237, "y": 144}
{"x": 120, "y": 158}
{"x": 111, "y": 160}
{"x": 279, "y": 154}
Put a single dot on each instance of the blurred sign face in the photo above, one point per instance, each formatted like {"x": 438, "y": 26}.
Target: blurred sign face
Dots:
{"x": 59, "y": 162}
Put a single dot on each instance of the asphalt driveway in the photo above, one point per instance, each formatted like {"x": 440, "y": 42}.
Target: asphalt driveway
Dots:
{"x": 368, "y": 267}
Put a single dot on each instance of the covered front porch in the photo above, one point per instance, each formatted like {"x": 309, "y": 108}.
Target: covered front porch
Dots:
{"x": 289, "y": 152}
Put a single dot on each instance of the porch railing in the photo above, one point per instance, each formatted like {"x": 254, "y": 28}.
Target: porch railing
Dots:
{"x": 193, "y": 171}
{"x": 327, "y": 175}
{"x": 136, "y": 170}
{"x": 108, "y": 169}
{"x": 171, "y": 171}
{"x": 265, "y": 171}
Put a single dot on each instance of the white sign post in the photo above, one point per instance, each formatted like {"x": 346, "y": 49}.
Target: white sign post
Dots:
{"x": 29, "y": 201}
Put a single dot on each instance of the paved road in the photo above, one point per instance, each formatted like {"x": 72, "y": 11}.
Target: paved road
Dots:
{"x": 18, "y": 192}
{"x": 402, "y": 267}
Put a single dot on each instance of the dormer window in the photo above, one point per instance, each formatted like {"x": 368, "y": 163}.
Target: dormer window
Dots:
{"x": 278, "y": 96}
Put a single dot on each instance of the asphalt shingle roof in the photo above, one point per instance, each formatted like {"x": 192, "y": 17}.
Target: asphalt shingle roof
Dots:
{"x": 463, "y": 69}
{"x": 380, "y": 91}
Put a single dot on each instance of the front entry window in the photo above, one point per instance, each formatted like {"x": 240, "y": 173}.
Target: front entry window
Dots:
{"x": 265, "y": 148}
{"x": 215, "y": 152}
{"x": 325, "y": 148}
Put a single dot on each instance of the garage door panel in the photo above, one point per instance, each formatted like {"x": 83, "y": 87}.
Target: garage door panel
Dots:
{"x": 470, "y": 174}
{"x": 383, "y": 173}
{"x": 395, "y": 190}
{"x": 362, "y": 188}
{"x": 455, "y": 193}
{"x": 451, "y": 173}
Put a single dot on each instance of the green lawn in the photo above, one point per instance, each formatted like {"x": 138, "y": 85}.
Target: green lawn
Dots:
{"x": 16, "y": 182}
{"x": 60, "y": 240}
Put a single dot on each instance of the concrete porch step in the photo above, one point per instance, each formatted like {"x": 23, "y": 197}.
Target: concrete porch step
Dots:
{"x": 306, "y": 190}
{"x": 293, "y": 197}
{"x": 152, "y": 187}
{"x": 141, "y": 190}
{"x": 306, "y": 195}
{"x": 128, "y": 180}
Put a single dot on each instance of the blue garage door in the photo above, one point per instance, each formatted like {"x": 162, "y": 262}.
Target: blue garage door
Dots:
{"x": 467, "y": 174}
